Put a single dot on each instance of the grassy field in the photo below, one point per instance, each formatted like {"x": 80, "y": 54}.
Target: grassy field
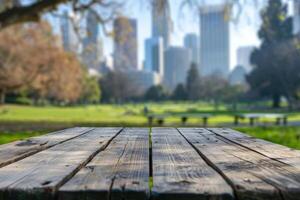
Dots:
{"x": 19, "y": 122}
{"x": 128, "y": 114}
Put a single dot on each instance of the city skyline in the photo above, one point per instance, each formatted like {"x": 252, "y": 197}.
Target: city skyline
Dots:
{"x": 243, "y": 31}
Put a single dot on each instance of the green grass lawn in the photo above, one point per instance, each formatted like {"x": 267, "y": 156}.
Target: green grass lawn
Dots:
{"x": 114, "y": 114}
{"x": 38, "y": 118}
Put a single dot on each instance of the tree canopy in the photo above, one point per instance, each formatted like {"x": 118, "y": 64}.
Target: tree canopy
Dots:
{"x": 276, "y": 73}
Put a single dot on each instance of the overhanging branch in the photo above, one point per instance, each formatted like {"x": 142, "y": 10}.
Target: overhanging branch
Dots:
{"x": 27, "y": 13}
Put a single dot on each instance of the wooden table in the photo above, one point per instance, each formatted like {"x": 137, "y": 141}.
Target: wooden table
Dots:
{"x": 139, "y": 164}
{"x": 280, "y": 118}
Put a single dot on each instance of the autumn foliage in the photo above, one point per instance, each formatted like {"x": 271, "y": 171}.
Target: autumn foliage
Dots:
{"x": 31, "y": 58}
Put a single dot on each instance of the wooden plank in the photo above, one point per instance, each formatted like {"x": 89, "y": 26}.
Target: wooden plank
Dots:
{"x": 39, "y": 176}
{"x": 273, "y": 151}
{"x": 119, "y": 172}
{"x": 179, "y": 173}
{"x": 18, "y": 150}
{"x": 252, "y": 175}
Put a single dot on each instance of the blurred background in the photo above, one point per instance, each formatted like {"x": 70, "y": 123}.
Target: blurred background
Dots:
{"x": 216, "y": 63}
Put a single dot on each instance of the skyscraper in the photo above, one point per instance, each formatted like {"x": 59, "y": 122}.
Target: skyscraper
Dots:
{"x": 191, "y": 41}
{"x": 154, "y": 55}
{"x": 177, "y": 64}
{"x": 161, "y": 21}
{"x": 296, "y": 18}
{"x": 214, "y": 42}
{"x": 92, "y": 46}
{"x": 125, "y": 44}
{"x": 68, "y": 34}
{"x": 243, "y": 57}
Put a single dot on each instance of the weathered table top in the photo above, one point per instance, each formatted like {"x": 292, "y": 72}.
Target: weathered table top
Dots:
{"x": 139, "y": 163}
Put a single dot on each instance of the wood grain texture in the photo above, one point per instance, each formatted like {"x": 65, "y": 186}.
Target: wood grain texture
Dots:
{"x": 39, "y": 176}
{"x": 252, "y": 175}
{"x": 119, "y": 172}
{"x": 180, "y": 173}
{"x": 18, "y": 150}
{"x": 273, "y": 151}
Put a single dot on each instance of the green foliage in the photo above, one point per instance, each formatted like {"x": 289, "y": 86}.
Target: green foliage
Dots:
{"x": 116, "y": 87}
{"x": 193, "y": 83}
{"x": 276, "y": 25}
{"x": 180, "y": 93}
{"x": 156, "y": 93}
{"x": 276, "y": 61}
{"x": 91, "y": 92}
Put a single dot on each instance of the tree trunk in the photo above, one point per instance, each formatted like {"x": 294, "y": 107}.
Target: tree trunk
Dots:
{"x": 2, "y": 96}
{"x": 276, "y": 101}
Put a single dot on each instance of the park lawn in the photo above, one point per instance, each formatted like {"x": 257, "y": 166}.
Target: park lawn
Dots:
{"x": 105, "y": 114}
{"x": 287, "y": 136}
{"x": 110, "y": 114}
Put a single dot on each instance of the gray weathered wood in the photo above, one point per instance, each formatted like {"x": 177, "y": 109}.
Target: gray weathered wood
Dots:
{"x": 268, "y": 149}
{"x": 119, "y": 172}
{"x": 38, "y": 176}
{"x": 252, "y": 175}
{"x": 18, "y": 150}
{"x": 180, "y": 173}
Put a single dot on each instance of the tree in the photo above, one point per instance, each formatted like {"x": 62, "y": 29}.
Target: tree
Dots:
{"x": 193, "y": 83}
{"x": 17, "y": 46}
{"x": 31, "y": 58}
{"x": 269, "y": 59}
{"x": 179, "y": 94}
{"x": 117, "y": 87}
{"x": 91, "y": 92}
{"x": 16, "y": 11}
{"x": 156, "y": 93}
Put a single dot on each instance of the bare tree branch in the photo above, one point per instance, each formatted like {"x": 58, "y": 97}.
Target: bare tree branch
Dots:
{"x": 29, "y": 13}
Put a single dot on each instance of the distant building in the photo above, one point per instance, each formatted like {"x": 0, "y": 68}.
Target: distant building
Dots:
{"x": 92, "y": 51}
{"x": 191, "y": 41}
{"x": 238, "y": 76}
{"x": 154, "y": 55}
{"x": 161, "y": 21}
{"x": 296, "y": 18}
{"x": 125, "y": 44}
{"x": 244, "y": 56}
{"x": 177, "y": 64}
{"x": 69, "y": 38}
{"x": 143, "y": 80}
{"x": 214, "y": 42}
